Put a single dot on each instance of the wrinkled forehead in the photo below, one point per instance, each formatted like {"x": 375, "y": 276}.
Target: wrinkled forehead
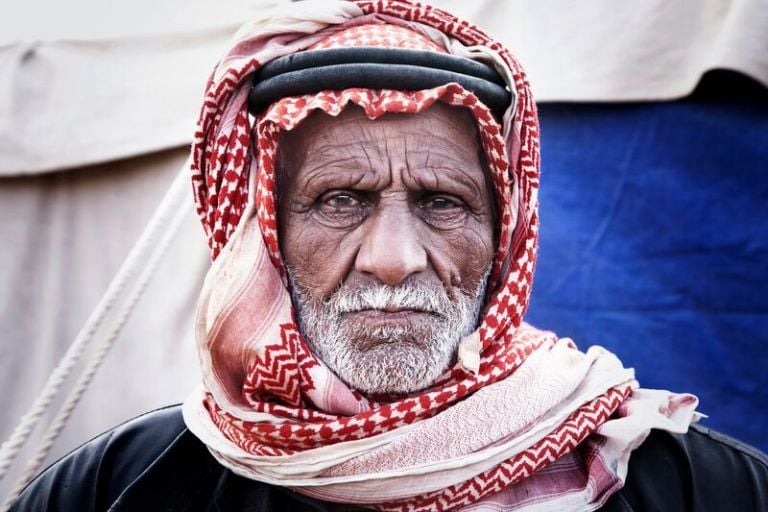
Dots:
{"x": 321, "y": 136}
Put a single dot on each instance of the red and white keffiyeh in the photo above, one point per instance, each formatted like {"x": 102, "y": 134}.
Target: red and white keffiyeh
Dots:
{"x": 522, "y": 421}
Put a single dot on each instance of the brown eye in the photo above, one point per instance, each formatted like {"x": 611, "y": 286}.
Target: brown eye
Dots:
{"x": 341, "y": 208}
{"x": 442, "y": 204}
{"x": 342, "y": 201}
{"x": 443, "y": 211}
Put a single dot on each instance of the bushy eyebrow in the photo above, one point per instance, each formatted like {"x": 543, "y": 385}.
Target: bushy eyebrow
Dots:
{"x": 441, "y": 164}
{"x": 336, "y": 176}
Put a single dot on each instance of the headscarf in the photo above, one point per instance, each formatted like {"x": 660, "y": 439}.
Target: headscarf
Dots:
{"x": 523, "y": 420}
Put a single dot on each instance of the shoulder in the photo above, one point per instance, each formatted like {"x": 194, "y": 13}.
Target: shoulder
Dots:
{"x": 152, "y": 462}
{"x": 93, "y": 476}
{"x": 701, "y": 470}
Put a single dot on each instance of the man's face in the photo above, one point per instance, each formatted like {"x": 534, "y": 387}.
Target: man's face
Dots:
{"x": 386, "y": 228}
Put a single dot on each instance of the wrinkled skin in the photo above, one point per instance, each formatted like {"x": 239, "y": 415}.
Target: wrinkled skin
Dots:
{"x": 402, "y": 199}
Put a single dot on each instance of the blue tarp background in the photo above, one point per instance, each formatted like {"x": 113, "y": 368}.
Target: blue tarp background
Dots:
{"x": 654, "y": 244}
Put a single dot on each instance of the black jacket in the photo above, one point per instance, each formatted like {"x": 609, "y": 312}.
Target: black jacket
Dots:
{"x": 154, "y": 463}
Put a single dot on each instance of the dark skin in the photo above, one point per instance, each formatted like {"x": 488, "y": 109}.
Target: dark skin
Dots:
{"x": 404, "y": 197}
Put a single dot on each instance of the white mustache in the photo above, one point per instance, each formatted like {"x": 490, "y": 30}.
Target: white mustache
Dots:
{"x": 415, "y": 296}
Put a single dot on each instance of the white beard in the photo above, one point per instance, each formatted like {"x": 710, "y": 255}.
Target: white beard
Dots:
{"x": 392, "y": 359}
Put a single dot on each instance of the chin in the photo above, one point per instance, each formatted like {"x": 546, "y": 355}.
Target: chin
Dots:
{"x": 390, "y": 368}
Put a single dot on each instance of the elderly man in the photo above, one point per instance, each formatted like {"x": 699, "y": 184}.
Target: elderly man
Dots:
{"x": 367, "y": 174}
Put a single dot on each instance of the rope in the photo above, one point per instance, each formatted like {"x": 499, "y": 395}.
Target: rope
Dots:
{"x": 174, "y": 197}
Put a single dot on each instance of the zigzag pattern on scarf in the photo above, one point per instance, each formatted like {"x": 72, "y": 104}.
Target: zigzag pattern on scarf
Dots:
{"x": 318, "y": 431}
{"x": 565, "y": 438}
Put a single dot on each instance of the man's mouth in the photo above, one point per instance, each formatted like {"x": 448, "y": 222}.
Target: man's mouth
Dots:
{"x": 390, "y": 315}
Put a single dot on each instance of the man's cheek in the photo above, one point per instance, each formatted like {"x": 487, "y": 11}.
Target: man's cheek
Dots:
{"x": 468, "y": 251}
{"x": 320, "y": 257}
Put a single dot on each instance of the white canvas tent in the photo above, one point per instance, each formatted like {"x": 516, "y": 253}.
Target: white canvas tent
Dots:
{"x": 97, "y": 108}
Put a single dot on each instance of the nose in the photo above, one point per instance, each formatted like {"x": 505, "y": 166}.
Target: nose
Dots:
{"x": 391, "y": 249}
